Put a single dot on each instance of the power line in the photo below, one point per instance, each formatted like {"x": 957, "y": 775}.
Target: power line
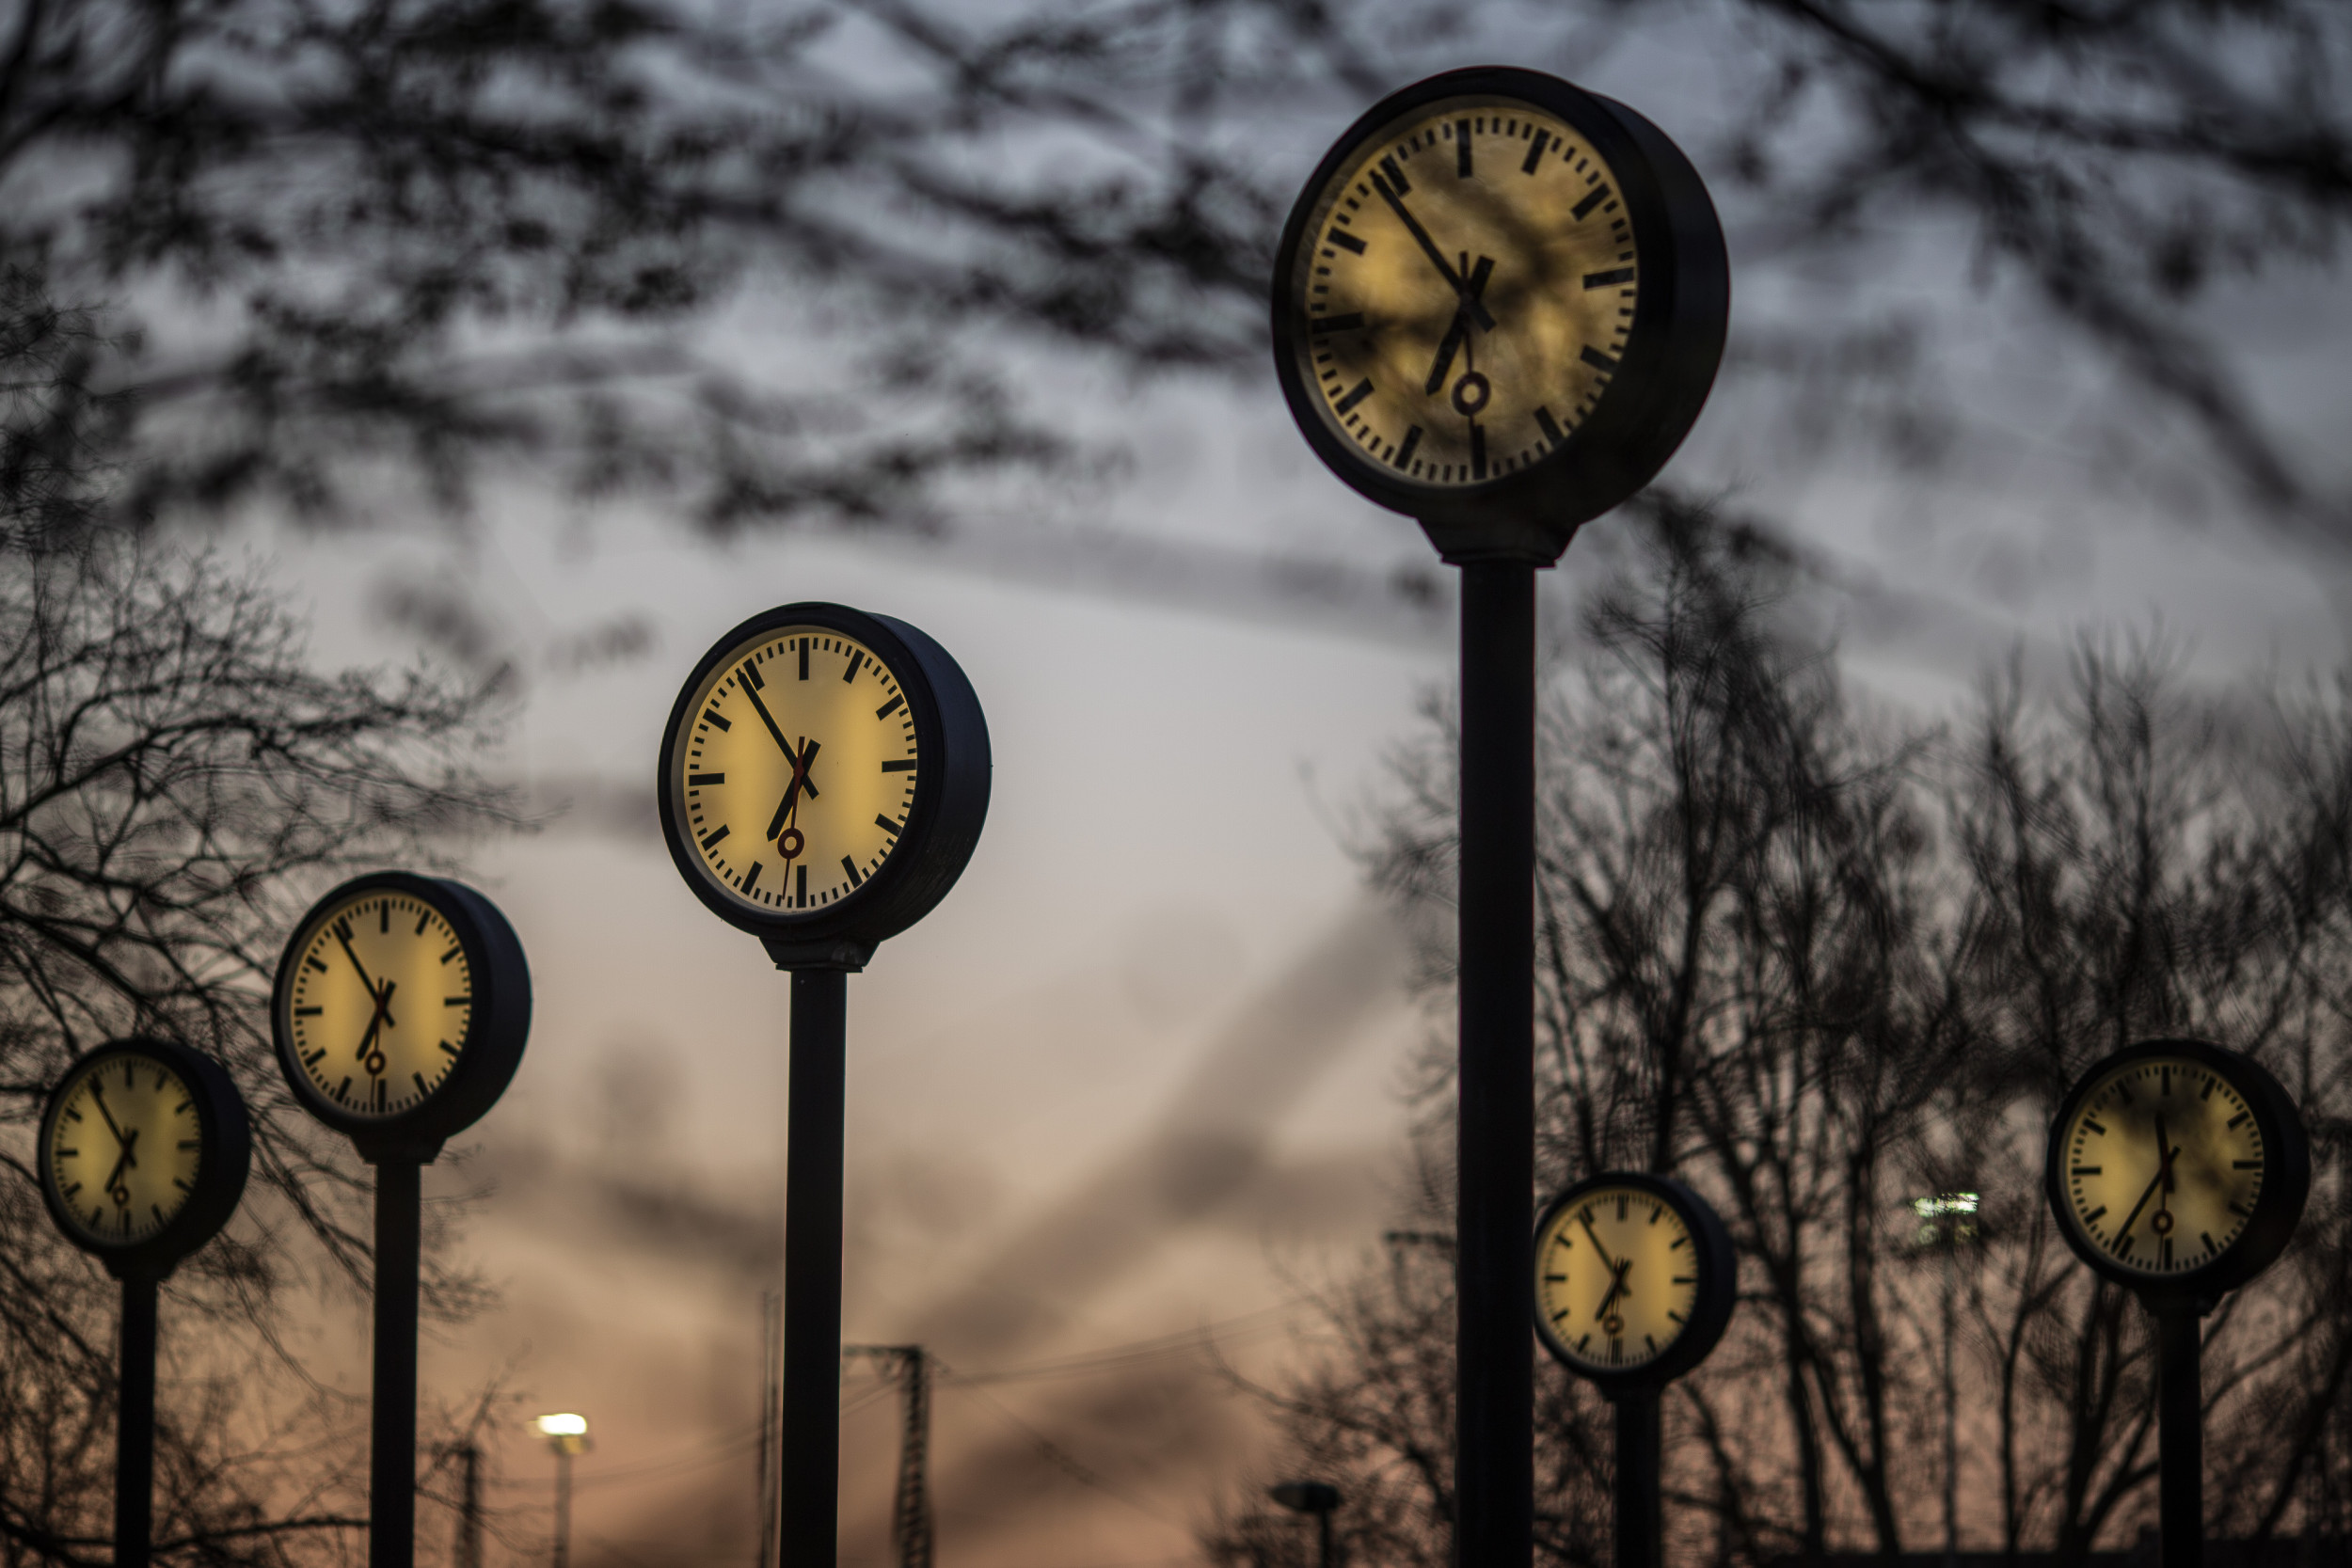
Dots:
{"x": 1061, "y": 1458}
{"x": 1249, "y": 1325}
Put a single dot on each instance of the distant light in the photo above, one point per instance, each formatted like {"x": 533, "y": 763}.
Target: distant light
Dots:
{"x": 563, "y": 1425}
{"x": 1945, "y": 1203}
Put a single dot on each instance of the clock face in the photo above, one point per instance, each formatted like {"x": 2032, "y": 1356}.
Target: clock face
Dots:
{"x": 380, "y": 1007}
{"x": 2163, "y": 1165}
{"x": 1468, "y": 290}
{"x": 1616, "y": 1279}
{"x": 125, "y": 1149}
{"x": 794, "y": 777}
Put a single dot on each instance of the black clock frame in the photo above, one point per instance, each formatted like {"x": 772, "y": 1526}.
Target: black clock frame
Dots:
{"x": 220, "y": 1175}
{"x": 1680, "y": 316}
{"x": 498, "y": 1026}
{"x": 942, "y": 826}
{"x": 2278, "y": 1208}
{"x": 1710, "y": 1309}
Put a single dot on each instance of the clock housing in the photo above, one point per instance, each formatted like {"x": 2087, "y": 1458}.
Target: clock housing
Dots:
{"x": 2233, "y": 1148}
{"x": 911, "y": 754}
{"x": 148, "y": 1096}
{"x": 1635, "y": 1279}
{"x": 1616, "y": 404}
{"x": 402, "y": 1075}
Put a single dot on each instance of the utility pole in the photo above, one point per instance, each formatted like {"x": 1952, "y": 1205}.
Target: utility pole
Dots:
{"x": 470, "y": 1509}
{"x": 911, "y": 1509}
{"x": 770, "y": 1420}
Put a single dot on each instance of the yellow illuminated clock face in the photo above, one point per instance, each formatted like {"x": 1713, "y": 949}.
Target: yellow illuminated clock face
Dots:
{"x": 794, "y": 776}
{"x": 1466, "y": 290}
{"x": 1616, "y": 1279}
{"x": 2164, "y": 1162}
{"x": 126, "y": 1149}
{"x": 381, "y": 1003}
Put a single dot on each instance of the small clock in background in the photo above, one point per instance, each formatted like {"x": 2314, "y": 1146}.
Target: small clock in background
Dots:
{"x": 144, "y": 1150}
{"x": 1498, "y": 305}
{"x": 1634, "y": 1279}
{"x": 400, "y": 1010}
{"x": 2178, "y": 1168}
{"x": 824, "y": 778}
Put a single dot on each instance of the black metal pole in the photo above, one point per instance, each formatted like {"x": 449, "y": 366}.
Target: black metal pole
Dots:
{"x": 2180, "y": 1436}
{"x": 562, "y": 1507}
{"x": 1323, "y": 1536}
{"x": 393, "y": 1441}
{"x": 811, "y": 1449}
{"x": 1494, "y": 1342}
{"x": 134, "y": 1427}
{"x": 1641, "y": 1518}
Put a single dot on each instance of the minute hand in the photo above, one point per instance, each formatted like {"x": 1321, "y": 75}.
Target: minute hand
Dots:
{"x": 1470, "y": 302}
{"x": 768, "y": 718}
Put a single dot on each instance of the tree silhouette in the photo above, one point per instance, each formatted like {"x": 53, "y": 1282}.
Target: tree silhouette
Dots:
{"x": 1818, "y": 963}
{"x": 175, "y": 783}
{"x": 324, "y": 255}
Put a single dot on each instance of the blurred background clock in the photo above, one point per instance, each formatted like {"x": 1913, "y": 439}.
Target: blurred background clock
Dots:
{"x": 144, "y": 1150}
{"x": 2178, "y": 1168}
{"x": 401, "y": 1010}
{"x": 1499, "y": 306}
{"x": 1634, "y": 1279}
{"x": 824, "y": 778}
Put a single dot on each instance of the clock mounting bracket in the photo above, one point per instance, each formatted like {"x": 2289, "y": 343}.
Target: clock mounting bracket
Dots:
{"x": 396, "y": 1149}
{"x": 842, "y": 953}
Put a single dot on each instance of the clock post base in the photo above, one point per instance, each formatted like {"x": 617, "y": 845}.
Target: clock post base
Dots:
{"x": 392, "y": 1408}
{"x": 134, "y": 1425}
{"x": 1495, "y": 1249}
{"x": 2179, "y": 1433}
{"x": 1641, "y": 1518}
{"x": 811, "y": 1449}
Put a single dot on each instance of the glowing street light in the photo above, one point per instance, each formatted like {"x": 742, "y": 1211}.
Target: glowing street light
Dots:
{"x": 567, "y": 1434}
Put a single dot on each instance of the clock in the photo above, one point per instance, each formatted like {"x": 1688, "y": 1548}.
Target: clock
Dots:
{"x": 2178, "y": 1168}
{"x": 143, "y": 1151}
{"x": 1634, "y": 1279}
{"x": 1499, "y": 306}
{"x": 824, "y": 777}
{"x": 401, "y": 1010}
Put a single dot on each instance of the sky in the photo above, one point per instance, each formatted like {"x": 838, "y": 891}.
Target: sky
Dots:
{"x": 1137, "y": 1086}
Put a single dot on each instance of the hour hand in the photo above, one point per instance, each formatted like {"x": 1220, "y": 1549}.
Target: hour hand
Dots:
{"x": 801, "y": 781}
{"x": 1471, "y": 292}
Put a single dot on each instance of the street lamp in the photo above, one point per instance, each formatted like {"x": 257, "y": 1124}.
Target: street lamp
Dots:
{"x": 1312, "y": 1496}
{"x": 1947, "y": 1222}
{"x": 567, "y": 1434}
